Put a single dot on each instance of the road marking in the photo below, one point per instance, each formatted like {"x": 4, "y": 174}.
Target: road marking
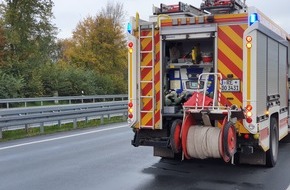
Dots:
{"x": 288, "y": 188}
{"x": 63, "y": 137}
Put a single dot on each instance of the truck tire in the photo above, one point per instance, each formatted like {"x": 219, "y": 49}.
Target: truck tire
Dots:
{"x": 272, "y": 153}
{"x": 175, "y": 140}
{"x": 229, "y": 141}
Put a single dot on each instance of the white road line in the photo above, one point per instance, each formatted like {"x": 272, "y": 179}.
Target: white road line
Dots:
{"x": 63, "y": 137}
{"x": 288, "y": 188}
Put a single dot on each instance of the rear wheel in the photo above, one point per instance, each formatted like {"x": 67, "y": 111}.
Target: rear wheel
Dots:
{"x": 175, "y": 140}
{"x": 272, "y": 153}
{"x": 229, "y": 141}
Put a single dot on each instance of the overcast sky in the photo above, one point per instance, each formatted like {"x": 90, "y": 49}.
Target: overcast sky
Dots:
{"x": 69, "y": 13}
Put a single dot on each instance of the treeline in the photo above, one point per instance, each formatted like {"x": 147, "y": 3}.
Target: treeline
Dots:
{"x": 33, "y": 62}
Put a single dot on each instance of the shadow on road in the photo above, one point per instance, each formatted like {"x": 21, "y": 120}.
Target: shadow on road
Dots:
{"x": 214, "y": 174}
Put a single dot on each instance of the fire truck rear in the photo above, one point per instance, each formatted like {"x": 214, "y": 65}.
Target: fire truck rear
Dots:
{"x": 209, "y": 82}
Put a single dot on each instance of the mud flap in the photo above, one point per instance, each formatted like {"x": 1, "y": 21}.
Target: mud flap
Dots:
{"x": 163, "y": 152}
{"x": 258, "y": 157}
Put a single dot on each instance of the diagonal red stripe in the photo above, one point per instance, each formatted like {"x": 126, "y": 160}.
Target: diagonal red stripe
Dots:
{"x": 231, "y": 44}
{"x": 157, "y": 57}
{"x": 149, "y": 123}
{"x": 158, "y": 96}
{"x": 230, "y": 64}
{"x": 143, "y": 56}
{"x": 148, "y": 47}
{"x": 146, "y": 89}
{"x": 157, "y": 77}
{"x": 224, "y": 101}
{"x": 148, "y": 106}
{"x": 236, "y": 95}
{"x": 238, "y": 29}
{"x": 157, "y": 116}
{"x": 239, "y": 96}
{"x": 145, "y": 32}
{"x": 157, "y": 37}
{"x": 144, "y": 72}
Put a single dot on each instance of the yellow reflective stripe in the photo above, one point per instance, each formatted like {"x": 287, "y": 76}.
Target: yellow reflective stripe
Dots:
{"x": 224, "y": 70}
{"x": 234, "y": 36}
{"x": 231, "y": 54}
{"x": 248, "y": 74}
{"x": 145, "y": 119}
{"x": 131, "y": 76}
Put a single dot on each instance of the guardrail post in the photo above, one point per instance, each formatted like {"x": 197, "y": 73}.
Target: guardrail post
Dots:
{"x": 75, "y": 125}
{"x": 102, "y": 119}
{"x": 26, "y": 128}
{"x": 1, "y": 136}
{"x": 109, "y": 117}
{"x": 124, "y": 116}
{"x": 41, "y": 128}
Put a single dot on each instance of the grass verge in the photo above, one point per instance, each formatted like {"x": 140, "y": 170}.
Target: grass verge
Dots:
{"x": 35, "y": 131}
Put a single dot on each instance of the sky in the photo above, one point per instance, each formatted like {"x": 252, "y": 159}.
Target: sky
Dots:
{"x": 69, "y": 13}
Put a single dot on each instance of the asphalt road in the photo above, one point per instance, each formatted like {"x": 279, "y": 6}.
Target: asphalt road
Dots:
{"x": 102, "y": 158}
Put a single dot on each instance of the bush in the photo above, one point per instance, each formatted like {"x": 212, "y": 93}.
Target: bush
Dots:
{"x": 10, "y": 86}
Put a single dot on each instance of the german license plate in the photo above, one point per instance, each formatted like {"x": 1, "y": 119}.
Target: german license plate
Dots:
{"x": 231, "y": 85}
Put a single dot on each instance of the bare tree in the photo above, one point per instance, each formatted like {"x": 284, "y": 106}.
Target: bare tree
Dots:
{"x": 114, "y": 11}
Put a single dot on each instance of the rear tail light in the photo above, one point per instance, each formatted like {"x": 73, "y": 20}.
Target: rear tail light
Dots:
{"x": 130, "y": 110}
{"x": 249, "y": 42}
{"x": 130, "y": 47}
{"x": 248, "y": 113}
{"x": 246, "y": 136}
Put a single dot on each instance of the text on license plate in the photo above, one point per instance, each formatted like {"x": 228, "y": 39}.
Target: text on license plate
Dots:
{"x": 231, "y": 85}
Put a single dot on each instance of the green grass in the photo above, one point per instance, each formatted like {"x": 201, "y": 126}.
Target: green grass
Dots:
{"x": 35, "y": 131}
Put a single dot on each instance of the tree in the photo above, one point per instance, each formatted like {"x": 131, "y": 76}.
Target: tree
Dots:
{"x": 10, "y": 86}
{"x": 27, "y": 28}
{"x": 115, "y": 12}
{"x": 2, "y": 46}
{"x": 99, "y": 44}
{"x": 27, "y": 41}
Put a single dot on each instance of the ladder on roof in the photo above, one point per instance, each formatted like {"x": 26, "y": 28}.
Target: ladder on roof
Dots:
{"x": 147, "y": 97}
{"x": 181, "y": 8}
{"x": 222, "y": 6}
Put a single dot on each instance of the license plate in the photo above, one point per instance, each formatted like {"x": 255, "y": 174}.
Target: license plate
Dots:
{"x": 231, "y": 85}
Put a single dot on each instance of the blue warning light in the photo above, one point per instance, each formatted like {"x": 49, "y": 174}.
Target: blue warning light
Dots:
{"x": 129, "y": 28}
{"x": 253, "y": 18}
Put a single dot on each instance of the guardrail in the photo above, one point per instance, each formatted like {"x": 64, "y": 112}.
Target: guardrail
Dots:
{"x": 42, "y": 114}
{"x": 69, "y": 99}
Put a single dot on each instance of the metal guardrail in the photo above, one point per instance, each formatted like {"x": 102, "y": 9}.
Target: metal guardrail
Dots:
{"x": 81, "y": 99}
{"x": 40, "y": 115}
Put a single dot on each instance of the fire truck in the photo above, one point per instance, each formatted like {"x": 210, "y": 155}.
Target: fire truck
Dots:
{"x": 209, "y": 82}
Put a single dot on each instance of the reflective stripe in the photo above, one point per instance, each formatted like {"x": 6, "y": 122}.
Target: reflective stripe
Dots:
{"x": 147, "y": 96}
{"x": 230, "y": 59}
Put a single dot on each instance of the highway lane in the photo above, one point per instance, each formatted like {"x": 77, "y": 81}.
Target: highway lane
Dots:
{"x": 102, "y": 158}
